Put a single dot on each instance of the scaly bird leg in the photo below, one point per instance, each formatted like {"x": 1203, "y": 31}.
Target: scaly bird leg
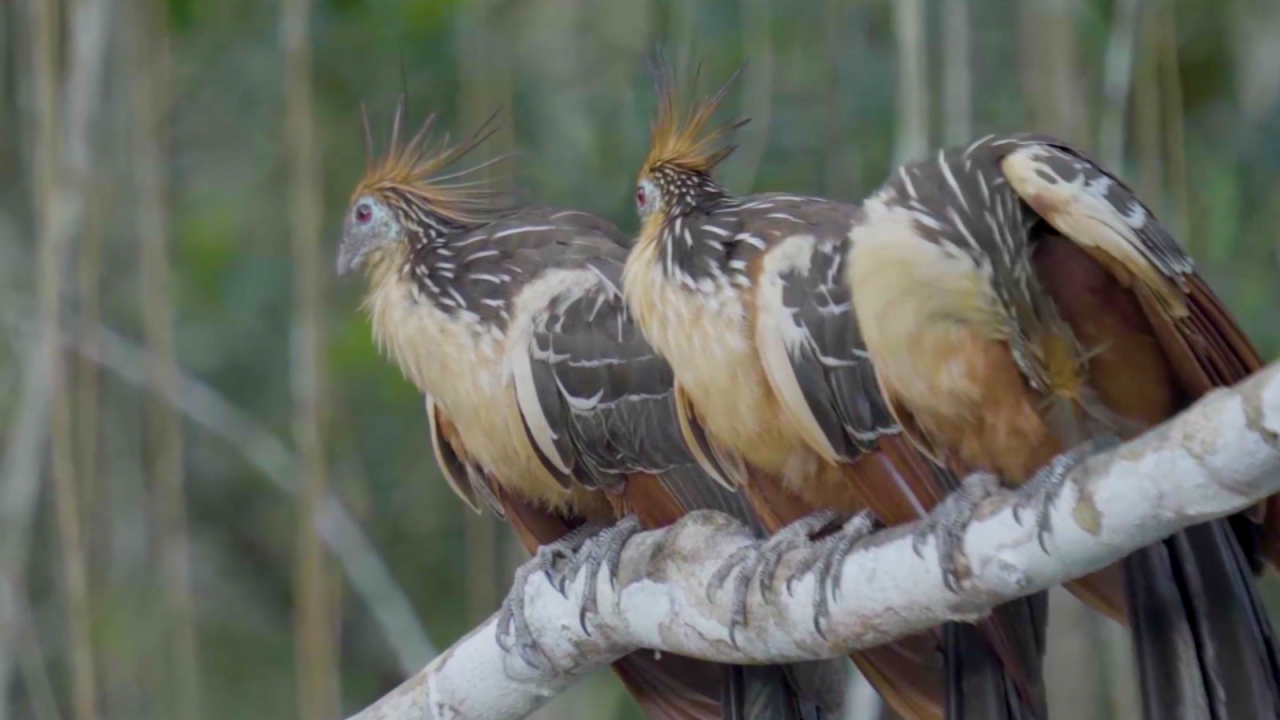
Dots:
{"x": 602, "y": 550}
{"x": 513, "y": 626}
{"x": 826, "y": 560}
{"x": 1043, "y": 489}
{"x": 948, "y": 521}
{"x": 760, "y": 559}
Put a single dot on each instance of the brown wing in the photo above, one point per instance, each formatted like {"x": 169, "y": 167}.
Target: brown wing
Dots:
{"x": 1160, "y": 339}
{"x": 1153, "y": 288}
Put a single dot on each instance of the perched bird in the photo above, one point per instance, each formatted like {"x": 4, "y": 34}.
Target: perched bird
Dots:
{"x": 745, "y": 297}
{"x": 545, "y": 403}
{"x": 1022, "y": 308}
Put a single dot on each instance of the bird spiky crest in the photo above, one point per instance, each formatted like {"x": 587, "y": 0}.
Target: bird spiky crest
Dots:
{"x": 687, "y": 139}
{"x": 414, "y": 168}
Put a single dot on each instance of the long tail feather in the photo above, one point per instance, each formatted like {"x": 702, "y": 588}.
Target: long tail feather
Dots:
{"x": 1204, "y": 645}
{"x": 977, "y": 686}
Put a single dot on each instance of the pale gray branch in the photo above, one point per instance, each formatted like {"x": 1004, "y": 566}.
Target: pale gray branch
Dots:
{"x": 1217, "y": 458}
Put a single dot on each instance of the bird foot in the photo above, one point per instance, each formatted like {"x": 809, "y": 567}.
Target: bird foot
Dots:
{"x": 948, "y": 522}
{"x": 602, "y": 550}
{"x": 1042, "y": 490}
{"x": 826, "y": 560}
{"x": 760, "y": 559}
{"x": 559, "y": 562}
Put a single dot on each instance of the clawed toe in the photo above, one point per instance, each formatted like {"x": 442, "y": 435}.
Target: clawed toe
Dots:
{"x": 1041, "y": 492}
{"x": 589, "y": 548}
{"x": 948, "y": 522}
{"x": 603, "y": 551}
{"x": 760, "y": 560}
{"x": 513, "y": 632}
{"x": 826, "y": 561}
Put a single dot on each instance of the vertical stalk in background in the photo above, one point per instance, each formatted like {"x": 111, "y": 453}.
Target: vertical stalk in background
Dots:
{"x": 957, "y": 72}
{"x": 1175, "y": 145}
{"x": 1117, "y": 81}
{"x": 22, "y": 461}
{"x": 63, "y": 164}
{"x": 89, "y": 272}
{"x": 1071, "y": 673}
{"x": 1051, "y": 69}
{"x": 838, "y": 172}
{"x": 314, "y": 620}
{"x": 1147, "y": 110}
{"x": 757, "y": 91}
{"x": 53, "y": 250}
{"x": 913, "y": 83}
{"x": 149, "y": 90}
{"x": 484, "y": 87}
{"x": 1119, "y": 668}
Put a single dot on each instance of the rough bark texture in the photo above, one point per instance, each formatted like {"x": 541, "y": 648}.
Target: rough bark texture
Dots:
{"x": 1220, "y": 456}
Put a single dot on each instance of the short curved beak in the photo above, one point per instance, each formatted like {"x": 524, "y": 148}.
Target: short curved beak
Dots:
{"x": 350, "y": 255}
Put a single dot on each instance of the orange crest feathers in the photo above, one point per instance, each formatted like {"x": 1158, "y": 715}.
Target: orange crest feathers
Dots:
{"x": 413, "y": 168}
{"x": 687, "y": 139}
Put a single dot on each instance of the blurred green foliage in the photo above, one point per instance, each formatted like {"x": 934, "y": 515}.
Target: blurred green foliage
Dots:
{"x": 570, "y": 77}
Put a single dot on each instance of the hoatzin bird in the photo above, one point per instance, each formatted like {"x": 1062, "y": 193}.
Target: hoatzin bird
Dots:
{"x": 1021, "y": 308}
{"x": 734, "y": 291}
{"x": 545, "y": 402}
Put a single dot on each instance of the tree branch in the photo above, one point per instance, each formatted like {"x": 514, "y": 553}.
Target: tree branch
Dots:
{"x": 1218, "y": 457}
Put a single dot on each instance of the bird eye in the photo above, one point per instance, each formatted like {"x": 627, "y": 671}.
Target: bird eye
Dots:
{"x": 364, "y": 213}
{"x": 640, "y": 197}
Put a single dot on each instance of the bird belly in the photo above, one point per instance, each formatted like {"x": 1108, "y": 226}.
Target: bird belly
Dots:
{"x": 460, "y": 364}
{"x": 706, "y": 339}
{"x": 938, "y": 338}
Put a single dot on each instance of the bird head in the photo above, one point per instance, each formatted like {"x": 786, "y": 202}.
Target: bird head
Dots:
{"x": 404, "y": 198}
{"x": 685, "y": 148}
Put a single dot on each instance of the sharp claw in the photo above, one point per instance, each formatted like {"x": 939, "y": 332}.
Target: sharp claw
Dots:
{"x": 948, "y": 522}
{"x": 586, "y": 547}
{"x": 826, "y": 561}
{"x": 513, "y": 628}
{"x": 604, "y": 551}
{"x": 1045, "y": 487}
{"x": 721, "y": 575}
{"x": 761, "y": 560}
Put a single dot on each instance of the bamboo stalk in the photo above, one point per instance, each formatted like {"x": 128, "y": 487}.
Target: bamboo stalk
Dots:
{"x": 1175, "y": 144}
{"x": 35, "y": 676}
{"x": 757, "y": 100}
{"x": 150, "y": 103}
{"x": 63, "y": 164}
{"x": 1051, "y": 68}
{"x": 913, "y": 92}
{"x": 1117, "y": 81}
{"x": 957, "y": 72}
{"x": 314, "y": 622}
{"x": 1147, "y": 111}
{"x": 837, "y": 170}
{"x": 89, "y": 272}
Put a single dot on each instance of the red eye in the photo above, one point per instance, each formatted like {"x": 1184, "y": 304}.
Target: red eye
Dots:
{"x": 640, "y": 197}
{"x": 364, "y": 213}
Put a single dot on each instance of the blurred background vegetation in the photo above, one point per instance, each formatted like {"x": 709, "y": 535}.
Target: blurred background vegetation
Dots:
{"x": 217, "y": 500}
